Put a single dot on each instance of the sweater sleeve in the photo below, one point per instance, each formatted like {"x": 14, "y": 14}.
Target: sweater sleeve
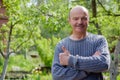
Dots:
{"x": 60, "y": 72}
{"x": 93, "y": 63}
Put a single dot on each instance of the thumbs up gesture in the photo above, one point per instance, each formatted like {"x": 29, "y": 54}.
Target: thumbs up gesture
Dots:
{"x": 64, "y": 57}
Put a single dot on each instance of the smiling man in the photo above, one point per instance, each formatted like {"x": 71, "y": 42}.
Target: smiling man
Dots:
{"x": 82, "y": 55}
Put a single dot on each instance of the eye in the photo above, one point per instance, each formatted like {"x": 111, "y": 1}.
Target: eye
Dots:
{"x": 75, "y": 18}
{"x": 84, "y": 18}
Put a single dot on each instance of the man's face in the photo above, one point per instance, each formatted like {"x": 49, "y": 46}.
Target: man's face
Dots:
{"x": 78, "y": 20}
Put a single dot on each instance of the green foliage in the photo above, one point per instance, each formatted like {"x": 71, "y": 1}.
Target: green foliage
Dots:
{"x": 110, "y": 29}
{"x": 45, "y": 48}
{"x": 39, "y": 77}
{"x": 53, "y": 18}
{"x": 1, "y": 63}
{"x": 25, "y": 39}
{"x": 39, "y": 27}
{"x": 34, "y": 77}
{"x": 46, "y": 77}
{"x": 107, "y": 76}
{"x": 21, "y": 62}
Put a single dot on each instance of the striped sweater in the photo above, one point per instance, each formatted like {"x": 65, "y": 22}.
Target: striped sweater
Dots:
{"x": 84, "y": 66}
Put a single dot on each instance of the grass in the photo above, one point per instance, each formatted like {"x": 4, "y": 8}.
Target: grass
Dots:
{"x": 23, "y": 64}
{"x": 39, "y": 77}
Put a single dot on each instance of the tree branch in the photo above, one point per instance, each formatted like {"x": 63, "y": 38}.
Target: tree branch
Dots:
{"x": 102, "y": 5}
{"x": 109, "y": 13}
{"x": 9, "y": 37}
{"x": 23, "y": 42}
{"x": 7, "y": 55}
{"x": 2, "y": 53}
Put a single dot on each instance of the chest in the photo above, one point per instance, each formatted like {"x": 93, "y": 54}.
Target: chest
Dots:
{"x": 82, "y": 48}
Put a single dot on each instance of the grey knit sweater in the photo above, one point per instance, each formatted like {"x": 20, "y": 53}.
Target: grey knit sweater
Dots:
{"x": 84, "y": 66}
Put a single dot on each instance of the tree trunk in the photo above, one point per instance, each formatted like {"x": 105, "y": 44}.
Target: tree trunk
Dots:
{"x": 8, "y": 53}
{"x": 94, "y": 12}
{"x": 114, "y": 64}
{"x": 4, "y": 68}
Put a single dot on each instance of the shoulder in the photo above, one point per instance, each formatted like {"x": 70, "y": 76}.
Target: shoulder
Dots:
{"x": 63, "y": 41}
{"x": 96, "y": 36}
{"x": 97, "y": 39}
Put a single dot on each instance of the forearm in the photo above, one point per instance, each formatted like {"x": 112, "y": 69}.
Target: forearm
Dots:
{"x": 59, "y": 72}
{"x": 67, "y": 73}
{"x": 90, "y": 64}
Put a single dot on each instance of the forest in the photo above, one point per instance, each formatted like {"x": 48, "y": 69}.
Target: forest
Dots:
{"x": 34, "y": 27}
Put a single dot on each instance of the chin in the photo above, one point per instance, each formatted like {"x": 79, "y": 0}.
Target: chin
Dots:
{"x": 80, "y": 31}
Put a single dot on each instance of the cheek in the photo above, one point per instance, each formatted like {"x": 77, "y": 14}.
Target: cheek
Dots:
{"x": 73, "y": 23}
{"x": 85, "y": 23}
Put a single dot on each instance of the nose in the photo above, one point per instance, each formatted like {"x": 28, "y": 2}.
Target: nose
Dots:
{"x": 79, "y": 21}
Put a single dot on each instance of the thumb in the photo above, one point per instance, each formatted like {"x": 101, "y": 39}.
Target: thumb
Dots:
{"x": 64, "y": 49}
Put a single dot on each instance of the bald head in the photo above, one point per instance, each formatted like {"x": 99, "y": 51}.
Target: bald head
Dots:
{"x": 78, "y": 8}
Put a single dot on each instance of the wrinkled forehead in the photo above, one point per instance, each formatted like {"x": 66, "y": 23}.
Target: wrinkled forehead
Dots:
{"x": 78, "y": 10}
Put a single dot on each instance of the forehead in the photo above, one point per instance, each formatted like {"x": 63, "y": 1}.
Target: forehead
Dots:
{"x": 78, "y": 11}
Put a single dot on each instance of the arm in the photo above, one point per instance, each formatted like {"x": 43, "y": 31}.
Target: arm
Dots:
{"x": 60, "y": 72}
{"x": 93, "y": 63}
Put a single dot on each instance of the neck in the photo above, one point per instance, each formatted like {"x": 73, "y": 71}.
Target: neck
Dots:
{"x": 78, "y": 36}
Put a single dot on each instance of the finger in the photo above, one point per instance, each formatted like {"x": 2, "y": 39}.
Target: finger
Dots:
{"x": 60, "y": 55}
{"x": 65, "y": 50}
{"x": 96, "y": 53}
{"x": 60, "y": 58}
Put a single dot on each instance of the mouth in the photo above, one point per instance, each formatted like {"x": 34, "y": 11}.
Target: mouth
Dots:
{"x": 80, "y": 26}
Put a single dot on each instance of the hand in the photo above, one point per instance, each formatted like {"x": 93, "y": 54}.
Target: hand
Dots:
{"x": 64, "y": 57}
{"x": 97, "y": 53}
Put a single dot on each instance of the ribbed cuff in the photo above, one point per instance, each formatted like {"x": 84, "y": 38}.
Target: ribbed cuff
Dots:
{"x": 72, "y": 61}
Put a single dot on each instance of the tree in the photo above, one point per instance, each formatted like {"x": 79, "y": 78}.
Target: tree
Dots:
{"x": 26, "y": 24}
{"x": 33, "y": 24}
{"x": 115, "y": 62}
{"x": 16, "y": 16}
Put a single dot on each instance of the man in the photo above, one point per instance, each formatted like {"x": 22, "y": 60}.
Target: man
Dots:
{"x": 82, "y": 55}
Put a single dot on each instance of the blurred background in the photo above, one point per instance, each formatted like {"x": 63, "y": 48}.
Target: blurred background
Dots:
{"x": 30, "y": 30}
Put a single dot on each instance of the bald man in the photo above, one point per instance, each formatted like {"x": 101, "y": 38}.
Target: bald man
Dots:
{"x": 82, "y": 55}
